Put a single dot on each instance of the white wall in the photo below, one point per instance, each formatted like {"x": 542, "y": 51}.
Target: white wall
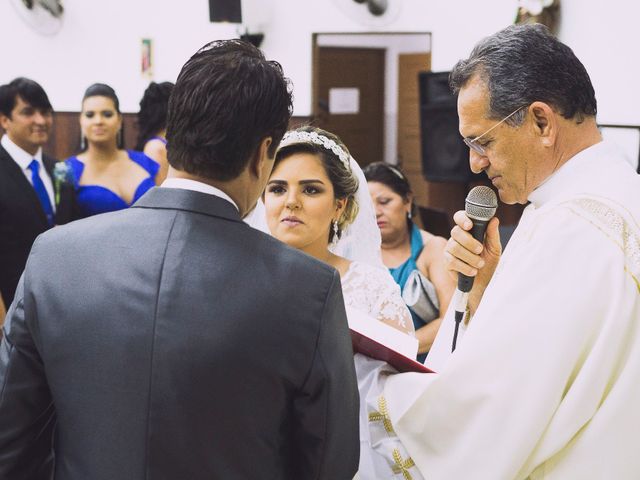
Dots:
{"x": 394, "y": 45}
{"x": 100, "y": 42}
{"x": 453, "y": 36}
{"x": 605, "y": 37}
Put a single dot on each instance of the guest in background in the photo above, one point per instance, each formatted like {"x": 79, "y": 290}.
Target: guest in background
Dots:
{"x": 406, "y": 248}
{"x": 107, "y": 177}
{"x": 152, "y": 125}
{"x": 27, "y": 200}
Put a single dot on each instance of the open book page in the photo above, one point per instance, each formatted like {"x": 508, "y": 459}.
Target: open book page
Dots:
{"x": 378, "y": 340}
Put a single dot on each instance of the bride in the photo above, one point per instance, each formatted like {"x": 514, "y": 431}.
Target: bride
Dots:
{"x": 317, "y": 201}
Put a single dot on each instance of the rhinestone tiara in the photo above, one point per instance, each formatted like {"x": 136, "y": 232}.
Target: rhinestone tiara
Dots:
{"x": 296, "y": 136}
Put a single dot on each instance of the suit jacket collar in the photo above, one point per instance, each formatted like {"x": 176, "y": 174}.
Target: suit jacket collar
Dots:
{"x": 15, "y": 175}
{"x": 188, "y": 200}
{"x": 10, "y": 165}
{"x": 49, "y": 163}
{"x": 21, "y": 157}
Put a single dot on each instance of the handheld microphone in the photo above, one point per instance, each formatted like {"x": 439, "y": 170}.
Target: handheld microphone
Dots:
{"x": 480, "y": 206}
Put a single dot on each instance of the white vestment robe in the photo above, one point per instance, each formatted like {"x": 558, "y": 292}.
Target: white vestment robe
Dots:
{"x": 545, "y": 383}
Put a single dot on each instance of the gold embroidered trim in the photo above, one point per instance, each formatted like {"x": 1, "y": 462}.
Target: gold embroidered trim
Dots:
{"x": 619, "y": 231}
{"x": 402, "y": 466}
{"x": 382, "y": 415}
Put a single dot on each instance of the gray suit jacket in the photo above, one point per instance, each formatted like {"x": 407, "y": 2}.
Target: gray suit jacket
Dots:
{"x": 172, "y": 341}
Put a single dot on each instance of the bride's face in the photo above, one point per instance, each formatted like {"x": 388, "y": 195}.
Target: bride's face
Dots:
{"x": 300, "y": 204}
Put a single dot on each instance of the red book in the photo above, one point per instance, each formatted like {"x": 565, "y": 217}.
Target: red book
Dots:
{"x": 378, "y": 340}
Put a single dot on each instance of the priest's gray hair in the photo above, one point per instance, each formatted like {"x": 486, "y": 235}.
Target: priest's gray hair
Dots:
{"x": 523, "y": 64}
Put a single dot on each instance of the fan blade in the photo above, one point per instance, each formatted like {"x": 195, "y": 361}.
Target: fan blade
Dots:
{"x": 377, "y": 7}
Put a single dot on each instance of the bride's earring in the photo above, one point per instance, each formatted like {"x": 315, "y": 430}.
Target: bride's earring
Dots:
{"x": 334, "y": 240}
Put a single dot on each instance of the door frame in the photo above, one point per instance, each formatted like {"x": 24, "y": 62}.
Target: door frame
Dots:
{"x": 389, "y": 125}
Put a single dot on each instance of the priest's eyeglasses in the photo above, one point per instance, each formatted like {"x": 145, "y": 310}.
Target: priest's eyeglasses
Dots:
{"x": 473, "y": 143}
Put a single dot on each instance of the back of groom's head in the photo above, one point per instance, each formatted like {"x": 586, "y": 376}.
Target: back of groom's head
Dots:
{"x": 227, "y": 99}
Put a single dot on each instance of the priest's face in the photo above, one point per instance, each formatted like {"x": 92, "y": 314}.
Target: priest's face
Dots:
{"x": 512, "y": 156}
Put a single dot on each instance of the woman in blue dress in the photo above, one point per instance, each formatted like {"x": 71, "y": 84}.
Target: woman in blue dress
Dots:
{"x": 406, "y": 248}
{"x": 105, "y": 176}
{"x": 152, "y": 125}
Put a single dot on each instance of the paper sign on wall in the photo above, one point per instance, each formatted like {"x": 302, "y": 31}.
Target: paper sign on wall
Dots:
{"x": 344, "y": 101}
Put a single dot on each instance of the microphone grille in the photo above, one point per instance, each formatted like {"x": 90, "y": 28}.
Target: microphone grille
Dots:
{"x": 481, "y": 203}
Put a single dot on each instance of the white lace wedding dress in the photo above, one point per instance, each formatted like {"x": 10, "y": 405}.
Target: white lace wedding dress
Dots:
{"x": 373, "y": 291}
{"x": 368, "y": 287}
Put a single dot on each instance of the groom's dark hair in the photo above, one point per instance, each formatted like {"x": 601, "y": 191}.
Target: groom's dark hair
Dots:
{"x": 227, "y": 99}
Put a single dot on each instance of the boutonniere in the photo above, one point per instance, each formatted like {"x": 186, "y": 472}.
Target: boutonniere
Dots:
{"x": 62, "y": 175}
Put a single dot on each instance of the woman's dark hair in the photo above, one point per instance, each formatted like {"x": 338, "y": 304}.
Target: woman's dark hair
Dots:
{"x": 344, "y": 182}
{"x": 228, "y": 98}
{"x": 152, "y": 117}
{"x": 103, "y": 90}
{"x": 523, "y": 64}
{"x": 390, "y": 176}
{"x": 31, "y": 92}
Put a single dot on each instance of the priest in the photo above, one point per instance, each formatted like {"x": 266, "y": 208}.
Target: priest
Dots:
{"x": 544, "y": 382}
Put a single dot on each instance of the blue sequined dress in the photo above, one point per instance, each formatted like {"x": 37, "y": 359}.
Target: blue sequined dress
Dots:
{"x": 95, "y": 199}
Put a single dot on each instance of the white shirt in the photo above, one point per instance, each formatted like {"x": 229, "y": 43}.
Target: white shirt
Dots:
{"x": 23, "y": 159}
{"x": 545, "y": 384}
{"x": 188, "y": 184}
{"x": 257, "y": 218}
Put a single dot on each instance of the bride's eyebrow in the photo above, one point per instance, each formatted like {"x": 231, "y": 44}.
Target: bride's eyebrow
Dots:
{"x": 313, "y": 180}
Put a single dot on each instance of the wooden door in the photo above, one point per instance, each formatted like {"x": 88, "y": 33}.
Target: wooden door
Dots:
{"x": 361, "y": 71}
{"x": 409, "y": 153}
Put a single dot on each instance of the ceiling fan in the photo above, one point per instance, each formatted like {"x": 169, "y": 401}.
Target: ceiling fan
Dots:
{"x": 375, "y": 7}
{"x": 44, "y": 16}
{"x": 371, "y": 12}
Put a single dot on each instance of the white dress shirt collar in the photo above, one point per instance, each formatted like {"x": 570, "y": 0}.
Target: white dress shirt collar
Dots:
{"x": 566, "y": 180}
{"x": 22, "y": 158}
{"x": 187, "y": 184}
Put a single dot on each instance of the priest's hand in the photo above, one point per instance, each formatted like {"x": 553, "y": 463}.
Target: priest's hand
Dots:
{"x": 464, "y": 254}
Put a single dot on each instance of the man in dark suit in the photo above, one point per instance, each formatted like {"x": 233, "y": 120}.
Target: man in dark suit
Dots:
{"x": 27, "y": 202}
{"x": 171, "y": 340}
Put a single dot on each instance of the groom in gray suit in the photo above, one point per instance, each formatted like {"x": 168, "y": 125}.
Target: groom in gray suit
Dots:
{"x": 172, "y": 341}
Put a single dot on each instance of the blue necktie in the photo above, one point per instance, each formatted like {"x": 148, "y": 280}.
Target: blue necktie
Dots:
{"x": 41, "y": 191}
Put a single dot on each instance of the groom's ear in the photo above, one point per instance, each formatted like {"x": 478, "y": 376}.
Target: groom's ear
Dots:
{"x": 261, "y": 163}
